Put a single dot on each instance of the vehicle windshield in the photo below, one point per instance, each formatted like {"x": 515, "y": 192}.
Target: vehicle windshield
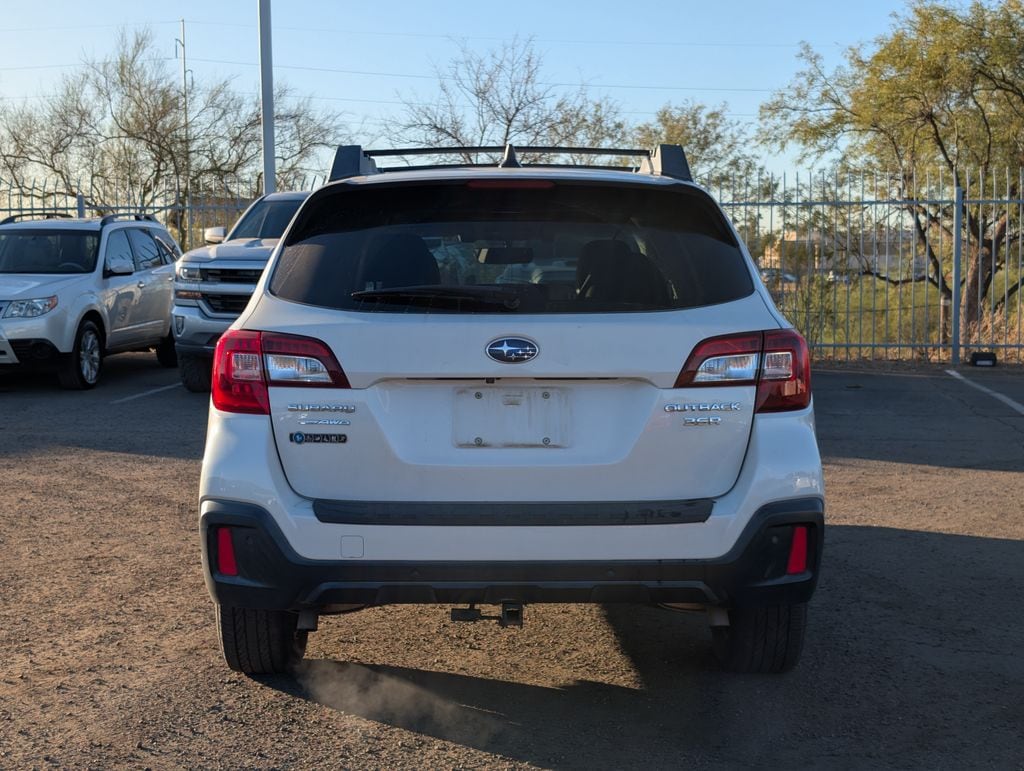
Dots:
{"x": 266, "y": 219}
{"x": 48, "y": 251}
{"x": 547, "y": 248}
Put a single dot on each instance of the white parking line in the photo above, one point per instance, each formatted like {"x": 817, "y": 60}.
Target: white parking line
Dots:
{"x": 1013, "y": 405}
{"x": 145, "y": 393}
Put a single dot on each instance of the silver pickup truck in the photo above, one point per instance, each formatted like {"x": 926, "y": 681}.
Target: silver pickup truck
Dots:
{"x": 213, "y": 283}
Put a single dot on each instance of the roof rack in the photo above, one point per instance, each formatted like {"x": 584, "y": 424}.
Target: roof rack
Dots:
{"x": 664, "y": 160}
{"x": 126, "y": 216}
{"x": 43, "y": 215}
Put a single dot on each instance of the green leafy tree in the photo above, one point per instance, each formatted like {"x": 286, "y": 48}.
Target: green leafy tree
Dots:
{"x": 945, "y": 88}
{"x": 717, "y": 148}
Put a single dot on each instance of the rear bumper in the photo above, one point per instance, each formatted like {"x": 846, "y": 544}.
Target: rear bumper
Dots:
{"x": 272, "y": 576}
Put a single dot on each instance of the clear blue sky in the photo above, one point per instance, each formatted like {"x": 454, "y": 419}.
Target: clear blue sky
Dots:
{"x": 362, "y": 58}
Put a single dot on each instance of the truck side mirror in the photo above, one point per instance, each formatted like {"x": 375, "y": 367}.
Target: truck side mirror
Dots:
{"x": 214, "y": 235}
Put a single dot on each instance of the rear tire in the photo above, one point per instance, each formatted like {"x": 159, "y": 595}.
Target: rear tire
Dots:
{"x": 165, "y": 352}
{"x": 195, "y": 373}
{"x": 761, "y": 640}
{"x": 260, "y": 642}
{"x": 81, "y": 369}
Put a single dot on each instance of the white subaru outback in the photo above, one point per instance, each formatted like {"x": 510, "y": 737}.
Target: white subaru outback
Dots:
{"x": 507, "y": 385}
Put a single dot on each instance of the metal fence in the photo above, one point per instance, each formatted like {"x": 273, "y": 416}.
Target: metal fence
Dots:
{"x": 891, "y": 266}
{"x": 186, "y": 213}
{"x": 867, "y": 266}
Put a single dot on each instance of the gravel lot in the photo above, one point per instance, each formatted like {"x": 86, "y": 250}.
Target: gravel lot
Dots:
{"x": 913, "y": 655}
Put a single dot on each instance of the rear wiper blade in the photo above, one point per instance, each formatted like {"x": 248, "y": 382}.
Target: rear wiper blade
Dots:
{"x": 487, "y": 295}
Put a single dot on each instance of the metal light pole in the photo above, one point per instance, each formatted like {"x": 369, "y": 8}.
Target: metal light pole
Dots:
{"x": 267, "y": 97}
{"x": 958, "y": 253}
{"x": 187, "y": 226}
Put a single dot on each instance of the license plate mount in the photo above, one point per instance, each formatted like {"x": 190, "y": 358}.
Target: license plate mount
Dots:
{"x": 530, "y": 416}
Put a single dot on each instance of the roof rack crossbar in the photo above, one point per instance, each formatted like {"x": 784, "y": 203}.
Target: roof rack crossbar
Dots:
{"x": 429, "y": 166}
{"x": 43, "y": 215}
{"x": 126, "y": 215}
{"x": 471, "y": 150}
{"x": 664, "y": 160}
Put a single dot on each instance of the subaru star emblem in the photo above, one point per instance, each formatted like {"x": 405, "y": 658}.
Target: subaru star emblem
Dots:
{"x": 512, "y": 350}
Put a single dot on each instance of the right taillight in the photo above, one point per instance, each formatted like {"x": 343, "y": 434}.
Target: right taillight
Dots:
{"x": 776, "y": 361}
{"x": 785, "y": 382}
{"x": 247, "y": 362}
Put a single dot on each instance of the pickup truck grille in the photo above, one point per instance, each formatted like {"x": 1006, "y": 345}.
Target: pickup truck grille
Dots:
{"x": 231, "y": 275}
{"x": 226, "y": 303}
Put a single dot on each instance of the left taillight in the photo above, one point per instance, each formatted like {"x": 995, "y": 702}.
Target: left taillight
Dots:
{"x": 246, "y": 363}
{"x": 777, "y": 361}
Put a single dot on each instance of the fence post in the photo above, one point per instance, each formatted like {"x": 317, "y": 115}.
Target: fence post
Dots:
{"x": 81, "y": 206}
{"x": 958, "y": 247}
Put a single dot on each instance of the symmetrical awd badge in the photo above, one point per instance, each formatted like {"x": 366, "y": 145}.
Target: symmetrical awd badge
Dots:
{"x": 302, "y": 438}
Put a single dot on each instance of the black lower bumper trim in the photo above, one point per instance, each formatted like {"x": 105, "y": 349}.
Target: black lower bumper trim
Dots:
{"x": 191, "y": 349}
{"x": 517, "y": 514}
{"x": 35, "y": 352}
{"x": 273, "y": 576}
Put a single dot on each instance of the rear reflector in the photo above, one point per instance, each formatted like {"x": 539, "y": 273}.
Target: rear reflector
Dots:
{"x": 797, "y": 551}
{"x": 226, "y": 564}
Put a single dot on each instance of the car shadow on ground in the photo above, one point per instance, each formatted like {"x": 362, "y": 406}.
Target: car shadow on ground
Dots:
{"x": 912, "y": 645}
{"x": 924, "y": 419}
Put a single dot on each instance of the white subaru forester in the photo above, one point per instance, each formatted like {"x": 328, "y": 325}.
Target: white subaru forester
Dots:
{"x": 511, "y": 384}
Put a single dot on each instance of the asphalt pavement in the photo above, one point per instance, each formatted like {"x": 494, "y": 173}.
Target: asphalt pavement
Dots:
{"x": 912, "y": 656}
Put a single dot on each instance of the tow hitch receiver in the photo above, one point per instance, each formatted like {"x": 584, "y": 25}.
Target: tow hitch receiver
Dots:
{"x": 511, "y": 614}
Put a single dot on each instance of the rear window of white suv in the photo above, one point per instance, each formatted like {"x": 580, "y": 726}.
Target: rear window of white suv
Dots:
{"x": 510, "y": 246}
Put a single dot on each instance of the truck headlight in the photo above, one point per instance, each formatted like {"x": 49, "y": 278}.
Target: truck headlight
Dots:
{"x": 189, "y": 273}
{"x": 29, "y": 309}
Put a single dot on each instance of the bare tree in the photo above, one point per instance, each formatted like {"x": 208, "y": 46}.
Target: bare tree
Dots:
{"x": 120, "y": 122}
{"x": 499, "y": 98}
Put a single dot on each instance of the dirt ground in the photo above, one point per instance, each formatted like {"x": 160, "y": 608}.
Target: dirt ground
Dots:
{"x": 913, "y": 656}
